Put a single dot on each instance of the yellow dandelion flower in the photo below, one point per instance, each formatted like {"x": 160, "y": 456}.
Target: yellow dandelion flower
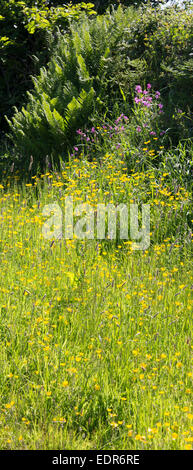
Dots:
{"x": 65, "y": 383}
{"x": 97, "y": 387}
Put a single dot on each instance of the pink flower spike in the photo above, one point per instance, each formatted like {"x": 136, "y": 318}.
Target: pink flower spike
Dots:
{"x": 138, "y": 89}
{"x": 149, "y": 86}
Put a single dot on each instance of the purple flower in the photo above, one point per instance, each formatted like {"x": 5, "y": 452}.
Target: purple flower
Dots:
{"x": 149, "y": 86}
{"x": 162, "y": 132}
{"x": 145, "y": 103}
{"x": 76, "y": 149}
{"x": 138, "y": 129}
{"x": 138, "y": 89}
{"x": 79, "y": 132}
{"x": 157, "y": 95}
{"x": 119, "y": 118}
{"x": 137, "y": 100}
{"x": 152, "y": 133}
{"x": 160, "y": 105}
{"x": 93, "y": 130}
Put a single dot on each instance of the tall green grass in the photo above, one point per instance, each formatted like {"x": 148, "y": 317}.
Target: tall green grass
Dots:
{"x": 96, "y": 338}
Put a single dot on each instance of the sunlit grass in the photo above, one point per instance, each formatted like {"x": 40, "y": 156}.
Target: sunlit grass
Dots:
{"x": 96, "y": 339}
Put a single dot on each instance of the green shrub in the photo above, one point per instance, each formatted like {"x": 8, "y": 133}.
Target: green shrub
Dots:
{"x": 94, "y": 69}
{"x": 77, "y": 82}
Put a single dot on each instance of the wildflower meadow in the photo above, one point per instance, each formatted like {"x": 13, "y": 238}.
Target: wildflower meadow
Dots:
{"x": 96, "y": 326}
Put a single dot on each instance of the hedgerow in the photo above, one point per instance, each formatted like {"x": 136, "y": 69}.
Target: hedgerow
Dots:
{"x": 93, "y": 69}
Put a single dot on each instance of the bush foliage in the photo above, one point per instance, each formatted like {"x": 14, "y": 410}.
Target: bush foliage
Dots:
{"x": 93, "y": 68}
